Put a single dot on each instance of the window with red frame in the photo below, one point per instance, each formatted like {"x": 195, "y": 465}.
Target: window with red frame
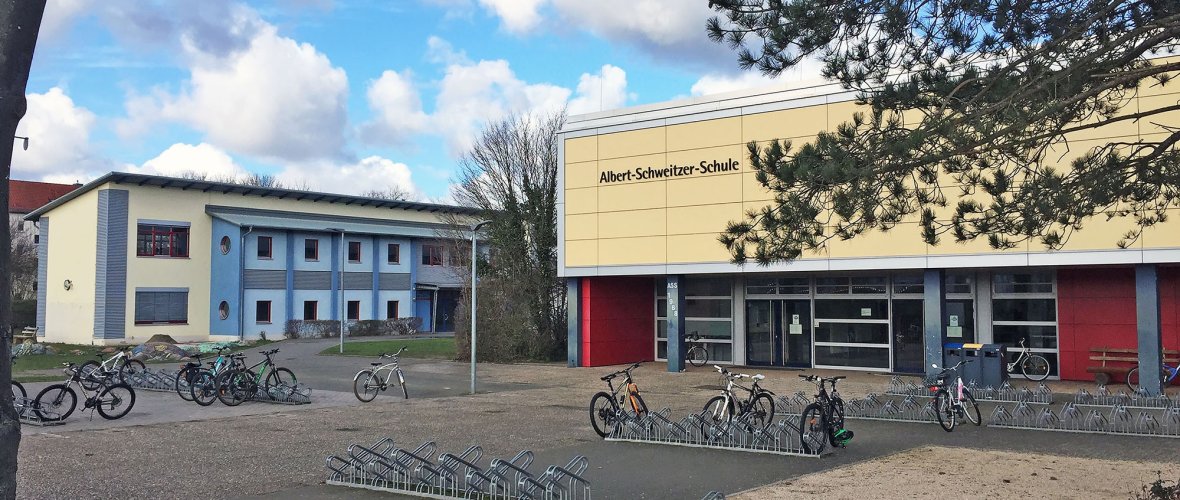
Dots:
{"x": 432, "y": 255}
{"x": 155, "y": 240}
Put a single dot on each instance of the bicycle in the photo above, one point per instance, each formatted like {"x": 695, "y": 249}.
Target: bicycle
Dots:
{"x": 606, "y": 408}
{"x": 1167, "y": 375}
{"x": 1033, "y": 366}
{"x": 723, "y": 408}
{"x": 120, "y": 364}
{"x": 822, "y": 421}
{"x": 117, "y": 397}
{"x": 203, "y": 388}
{"x": 18, "y": 390}
{"x": 367, "y": 383}
{"x": 696, "y": 354}
{"x": 949, "y": 409}
{"x": 190, "y": 373}
{"x": 239, "y": 383}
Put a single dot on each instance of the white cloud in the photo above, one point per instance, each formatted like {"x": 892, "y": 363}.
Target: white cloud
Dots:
{"x": 516, "y": 16}
{"x": 440, "y": 51}
{"x": 181, "y": 158}
{"x": 371, "y": 173}
{"x": 398, "y": 107}
{"x": 275, "y": 98}
{"x": 606, "y": 90}
{"x": 59, "y": 138}
{"x": 59, "y": 16}
{"x": 719, "y": 84}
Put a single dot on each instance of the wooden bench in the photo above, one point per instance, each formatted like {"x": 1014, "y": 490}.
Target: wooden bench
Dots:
{"x": 1102, "y": 372}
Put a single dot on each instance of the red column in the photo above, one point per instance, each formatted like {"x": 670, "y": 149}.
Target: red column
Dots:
{"x": 618, "y": 320}
{"x": 1095, "y": 308}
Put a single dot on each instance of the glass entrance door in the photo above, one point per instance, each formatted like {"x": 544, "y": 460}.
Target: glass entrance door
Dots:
{"x": 796, "y": 333}
{"x": 908, "y": 353}
{"x": 762, "y": 333}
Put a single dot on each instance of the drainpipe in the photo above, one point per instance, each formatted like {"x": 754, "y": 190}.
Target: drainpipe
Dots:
{"x": 242, "y": 284}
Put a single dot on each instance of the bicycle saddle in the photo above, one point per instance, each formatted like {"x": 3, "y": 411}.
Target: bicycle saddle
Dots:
{"x": 609, "y": 377}
{"x": 841, "y": 377}
{"x": 377, "y": 363}
{"x": 758, "y": 377}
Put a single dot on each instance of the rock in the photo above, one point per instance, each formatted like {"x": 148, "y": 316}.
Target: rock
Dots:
{"x": 158, "y": 351}
{"x": 161, "y": 338}
{"x": 30, "y": 349}
{"x": 110, "y": 350}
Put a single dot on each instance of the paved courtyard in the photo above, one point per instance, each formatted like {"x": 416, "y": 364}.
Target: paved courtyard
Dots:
{"x": 169, "y": 449}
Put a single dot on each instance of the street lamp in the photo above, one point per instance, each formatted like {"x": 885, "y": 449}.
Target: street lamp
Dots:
{"x": 343, "y": 259}
{"x": 474, "y": 230}
{"x": 24, "y": 142}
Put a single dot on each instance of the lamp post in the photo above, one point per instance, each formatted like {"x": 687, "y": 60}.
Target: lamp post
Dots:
{"x": 474, "y": 230}
{"x": 340, "y": 283}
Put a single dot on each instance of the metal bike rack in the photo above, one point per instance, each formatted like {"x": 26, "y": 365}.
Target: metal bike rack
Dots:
{"x": 910, "y": 408}
{"x": 714, "y": 495}
{"x": 697, "y": 430}
{"x": 1121, "y": 420}
{"x": 383, "y": 466}
{"x": 1102, "y": 397}
{"x": 165, "y": 381}
{"x": 1042, "y": 394}
{"x": 29, "y": 412}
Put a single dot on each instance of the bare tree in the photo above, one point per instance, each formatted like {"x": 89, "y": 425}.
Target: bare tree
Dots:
{"x": 20, "y": 21}
{"x": 389, "y": 193}
{"x": 250, "y": 179}
{"x": 22, "y": 264}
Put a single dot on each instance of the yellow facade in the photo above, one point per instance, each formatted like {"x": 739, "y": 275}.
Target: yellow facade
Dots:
{"x": 73, "y": 229}
{"x": 675, "y": 219}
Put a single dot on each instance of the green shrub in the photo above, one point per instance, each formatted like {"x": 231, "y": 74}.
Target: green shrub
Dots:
{"x": 1160, "y": 489}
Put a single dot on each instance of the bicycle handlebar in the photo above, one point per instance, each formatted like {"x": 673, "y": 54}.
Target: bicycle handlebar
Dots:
{"x": 393, "y": 355}
{"x": 268, "y": 353}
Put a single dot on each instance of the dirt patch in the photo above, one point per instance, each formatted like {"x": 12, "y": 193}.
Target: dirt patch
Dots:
{"x": 939, "y": 472}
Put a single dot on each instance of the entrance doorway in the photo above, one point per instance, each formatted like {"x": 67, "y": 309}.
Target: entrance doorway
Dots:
{"x": 778, "y": 333}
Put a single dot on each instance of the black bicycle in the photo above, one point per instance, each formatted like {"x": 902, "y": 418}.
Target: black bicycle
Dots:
{"x": 606, "y": 409}
{"x": 18, "y": 391}
{"x": 758, "y": 402}
{"x": 240, "y": 383}
{"x": 190, "y": 374}
{"x": 111, "y": 399}
{"x": 822, "y": 421}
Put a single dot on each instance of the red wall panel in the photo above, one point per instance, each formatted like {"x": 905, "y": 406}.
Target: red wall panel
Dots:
{"x": 618, "y": 320}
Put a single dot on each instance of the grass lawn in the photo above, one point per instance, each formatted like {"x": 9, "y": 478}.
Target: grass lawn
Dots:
{"x": 25, "y": 365}
{"x": 415, "y": 348}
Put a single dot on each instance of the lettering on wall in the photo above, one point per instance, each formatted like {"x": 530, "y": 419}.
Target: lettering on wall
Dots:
{"x": 650, "y": 173}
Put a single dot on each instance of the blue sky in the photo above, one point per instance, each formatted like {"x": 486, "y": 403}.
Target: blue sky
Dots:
{"x": 340, "y": 95}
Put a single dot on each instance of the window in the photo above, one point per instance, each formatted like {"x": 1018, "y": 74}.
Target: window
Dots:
{"x": 708, "y": 312}
{"x": 354, "y": 251}
{"x": 311, "y": 249}
{"x": 158, "y": 307}
{"x": 1024, "y": 308}
{"x": 265, "y": 247}
{"x": 309, "y": 310}
{"x": 225, "y": 245}
{"x": 155, "y": 240}
{"x": 391, "y": 309}
{"x": 393, "y": 254}
{"x": 354, "y": 310}
{"x": 223, "y": 310}
{"x": 262, "y": 311}
{"x": 432, "y": 255}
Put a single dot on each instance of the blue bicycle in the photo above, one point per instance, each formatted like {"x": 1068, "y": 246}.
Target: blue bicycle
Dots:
{"x": 1167, "y": 375}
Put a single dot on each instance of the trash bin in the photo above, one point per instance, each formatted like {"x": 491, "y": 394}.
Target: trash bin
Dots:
{"x": 952, "y": 352}
{"x": 971, "y": 371}
{"x": 993, "y": 365}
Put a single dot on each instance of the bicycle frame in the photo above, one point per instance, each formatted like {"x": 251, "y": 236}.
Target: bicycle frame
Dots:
{"x": 113, "y": 360}
{"x": 391, "y": 368}
{"x": 627, "y": 397}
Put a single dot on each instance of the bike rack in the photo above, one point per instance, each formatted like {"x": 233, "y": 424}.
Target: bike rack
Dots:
{"x": 1120, "y": 420}
{"x": 697, "y": 430}
{"x": 384, "y": 467}
{"x": 27, "y": 413}
{"x": 1103, "y": 398}
{"x": 714, "y": 495}
{"x": 165, "y": 381}
{"x": 872, "y": 407}
{"x": 1042, "y": 394}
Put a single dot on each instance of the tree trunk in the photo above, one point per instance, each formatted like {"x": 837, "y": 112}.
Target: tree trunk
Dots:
{"x": 20, "y": 20}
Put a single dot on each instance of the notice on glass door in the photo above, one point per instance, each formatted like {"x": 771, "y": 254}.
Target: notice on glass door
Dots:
{"x": 796, "y": 328}
{"x": 953, "y": 330}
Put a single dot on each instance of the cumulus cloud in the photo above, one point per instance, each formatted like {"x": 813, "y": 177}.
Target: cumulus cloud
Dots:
{"x": 806, "y": 72}
{"x": 274, "y": 98}
{"x": 60, "y": 15}
{"x": 516, "y": 16}
{"x": 398, "y": 107}
{"x": 367, "y": 174}
{"x": 603, "y": 91}
{"x": 181, "y": 158}
{"x": 59, "y": 138}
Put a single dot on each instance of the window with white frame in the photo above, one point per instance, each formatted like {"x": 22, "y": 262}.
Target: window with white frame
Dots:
{"x": 1024, "y": 307}
{"x": 708, "y": 312}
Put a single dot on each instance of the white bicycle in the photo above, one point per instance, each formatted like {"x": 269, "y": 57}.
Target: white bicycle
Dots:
{"x": 120, "y": 365}
{"x": 1033, "y": 366}
{"x": 367, "y": 383}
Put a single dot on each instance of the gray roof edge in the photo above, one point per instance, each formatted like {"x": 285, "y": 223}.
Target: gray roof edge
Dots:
{"x": 216, "y": 210}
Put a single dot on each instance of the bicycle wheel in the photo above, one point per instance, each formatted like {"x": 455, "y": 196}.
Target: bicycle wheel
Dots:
{"x": 1035, "y": 368}
{"x": 56, "y": 398}
{"x": 603, "y": 413}
{"x": 762, "y": 408}
{"x": 115, "y": 401}
{"x": 971, "y": 408}
{"x": 204, "y": 388}
{"x": 184, "y": 382}
{"x": 90, "y": 375}
{"x": 638, "y": 406}
{"x": 813, "y": 429}
{"x": 1133, "y": 379}
{"x": 365, "y": 387}
{"x": 129, "y": 367}
{"x": 18, "y": 392}
{"x": 280, "y": 377}
{"x": 233, "y": 387}
{"x": 717, "y": 413}
{"x": 945, "y": 410}
{"x": 698, "y": 356}
{"x": 835, "y": 420}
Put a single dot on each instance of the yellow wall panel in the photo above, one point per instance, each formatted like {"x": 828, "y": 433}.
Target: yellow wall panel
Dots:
{"x": 581, "y": 253}
{"x": 581, "y": 226}
{"x": 704, "y": 218}
{"x": 631, "y": 143}
{"x": 797, "y": 122}
{"x": 721, "y": 156}
{"x": 581, "y": 201}
{"x": 636, "y": 196}
{"x": 948, "y": 246}
{"x": 903, "y": 240}
{"x": 752, "y": 190}
{"x": 1163, "y": 234}
{"x": 1097, "y": 234}
{"x": 73, "y": 231}
{"x": 704, "y": 134}
{"x": 625, "y": 165}
{"x": 581, "y": 149}
{"x": 842, "y": 112}
{"x": 633, "y": 223}
{"x": 699, "y": 190}
{"x": 1149, "y": 87}
{"x": 638, "y": 251}
{"x": 579, "y": 175}
{"x": 694, "y": 248}
{"x": 1149, "y": 125}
